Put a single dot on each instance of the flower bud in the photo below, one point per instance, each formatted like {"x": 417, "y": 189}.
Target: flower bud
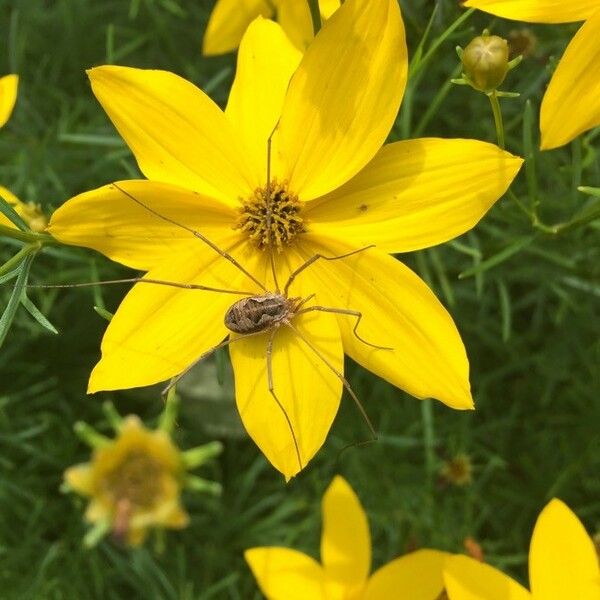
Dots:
{"x": 485, "y": 62}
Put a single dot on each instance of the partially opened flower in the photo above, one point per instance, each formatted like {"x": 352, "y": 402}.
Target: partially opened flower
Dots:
{"x": 230, "y": 19}
{"x": 332, "y": 191}
{"x": 344, "y": 572}
{"x": 563, "y": 565}
{"x": 8, "y": 96}
{"x": 571, "y": 103}
{"x": 30, "y": 212}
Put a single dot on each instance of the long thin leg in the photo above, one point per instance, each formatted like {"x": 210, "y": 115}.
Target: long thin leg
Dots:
{"x": 345, "y": 311}
{"x": 199, "y": 235}
{"x": 186, "y": 286}
{"x": 272, "y": 392}
{"x": 340, "y": 377}
{"x": 314, "y": 259}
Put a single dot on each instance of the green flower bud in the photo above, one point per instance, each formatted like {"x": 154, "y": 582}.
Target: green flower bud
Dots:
{"x": 485, "y": 62}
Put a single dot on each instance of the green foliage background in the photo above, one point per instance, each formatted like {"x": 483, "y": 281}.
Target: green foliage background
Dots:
{"x": 530, "y": 323}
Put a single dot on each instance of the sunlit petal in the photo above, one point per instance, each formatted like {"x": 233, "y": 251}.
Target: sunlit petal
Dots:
{"x": 538, "y": 11}
{"x": 468, "y": 579}
{"x": 344, "y": 96}
{"x": 416, "y": 194}
{"x": 8, "y": 96}
{"x": 177, "y": 133}
{"x": 109, "y": 221}
{"x": 563, "y": 562}
{"x": 571, "y": 104}
{"x": 294, "y": 17}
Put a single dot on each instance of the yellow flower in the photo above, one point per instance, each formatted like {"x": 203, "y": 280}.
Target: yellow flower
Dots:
{"x": 571, "y": 103}
{"x": 334, "y": 190}
{"x": 8, "y": 96}
{"x": 30, "y": 212}
{"x": 134, "y": 482}
{"x": 563, "y": 565}
{"x": 285, "y": 574}
{"x": 230, "y": 19}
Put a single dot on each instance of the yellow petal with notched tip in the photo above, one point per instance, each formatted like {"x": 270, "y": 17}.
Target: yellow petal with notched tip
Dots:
{"x": 176, "y": 132}
{"x": 537, "y": 11}
{"x": 468, "y": 579}
{"x": 571, "y": 104}
{"x": 228, "y": 22}
{"x": 344, "y": 96}
{"x": 416, "y": 194}
{"x": 285, "y": 574}
{"x": 266, "y": 62}
{"x": 417, "y": 576}
{"x": 8, "y": 96}
{"x": 563, "y": 562}
{"x": 308, "y": 391}
{"x": 109, "y": 221}
{"x": 399, "y": 311}
{"x": 346, "y": 540}
{"x": 160, "y": 330}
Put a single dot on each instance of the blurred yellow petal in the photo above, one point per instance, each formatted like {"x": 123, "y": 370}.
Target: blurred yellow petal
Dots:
{"x": 571, "y": 104}
{"x": 284, "y": 574}
{"x": 266, "y": 62}
{"x": 228, "y": 22}
{"x": 176, "y": 132}
{"x": 417, "y": 576}
{"x": 160, "y": 330}
{"x": 468, "y": 579}
{"x": 344, "y": 96}
{"x": 8, "y": 96}
{"x": 563, "y": 562}
{"x": 416, "y": 194}
{"x": 108, "y": 221}
{"x": 80, "y": 479}
{"x": 15, "y": 203}
{"x": 399, "y": 311}
{"x": 537, "y": 11}
{"x": 346, "y": 540}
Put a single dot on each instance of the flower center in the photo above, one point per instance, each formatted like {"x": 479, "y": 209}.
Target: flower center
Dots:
{"x": 136, "y": 479}
{"x": 271, "y": 216}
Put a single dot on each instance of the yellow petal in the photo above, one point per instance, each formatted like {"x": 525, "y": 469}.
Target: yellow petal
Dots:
{"x": 80, "y": 478}
{"x": 346, "y": 540}
{"x": 284, "y": 574}
{"x": 159, "y": 330}
{"x": 15, "y": 203}
{"x": 537, "y": 11}
{"x": 416, "y": 194}
{"x": 400, "y": 312}
{"x": 177, "y": 133}
{"x": 562, "y": 559}
{"x": 308, "y": 390}
{"x": 344, "y": 96}
{"x": 266, "y": 62}
{"x": 228, "y": 22}
{"x": 417, "y": 576}
{"x": 468, "y": 579}
{"x": 109, "y": 221}
{"x": 294, "y": 17}
{"x": 8, "y": 96}
{"x": 571, "y": 104}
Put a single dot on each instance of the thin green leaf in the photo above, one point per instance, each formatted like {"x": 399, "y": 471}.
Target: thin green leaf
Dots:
{"x": 15, "y": 298}
{"x": 9, "y": 212}
{"x": 505, "y": 254}
{"x": 35, "y": 312}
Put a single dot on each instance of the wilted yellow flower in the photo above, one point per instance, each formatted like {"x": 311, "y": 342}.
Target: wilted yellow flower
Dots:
{"x": 230, "y": 19}
{"x": 8, "y": 96}
{"x": 134, "y": 482}
{"x": 286, "y": 574}
{"x": 571, "y": 104}
{"x": 563, "y": 565}
{"x": 458, "y": 470}
{"x": 333, "y": 191}
{"x": 30, "y": 212}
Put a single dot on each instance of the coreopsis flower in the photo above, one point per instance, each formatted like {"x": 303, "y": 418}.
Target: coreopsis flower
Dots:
{"x": 134, "y": 482}
{"x": 230, "y": 19}
{"x": 286, "y": 574}
{"x": 30, "y": 212}
{"x": 333, "y": 190}
{"x": 562, "y": 565}
{"x": 571, "y": 104}
{"x": 8, "y": 96}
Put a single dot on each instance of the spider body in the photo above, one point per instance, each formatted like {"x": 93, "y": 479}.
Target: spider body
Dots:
{"x": 260, "y": 313}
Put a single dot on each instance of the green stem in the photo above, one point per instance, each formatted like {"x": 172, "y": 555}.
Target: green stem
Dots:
{"x": 169, "y": 416}
{"x": 315, "y": 15}
{"x": 26, "y": 236}
{"x": 429, "y": 441}
{"x": 497, "y": 118}
{"x": 13, "y": 263}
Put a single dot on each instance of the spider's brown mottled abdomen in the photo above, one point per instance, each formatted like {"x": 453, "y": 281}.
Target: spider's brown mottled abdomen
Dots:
{"x": 259, "y": 313}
